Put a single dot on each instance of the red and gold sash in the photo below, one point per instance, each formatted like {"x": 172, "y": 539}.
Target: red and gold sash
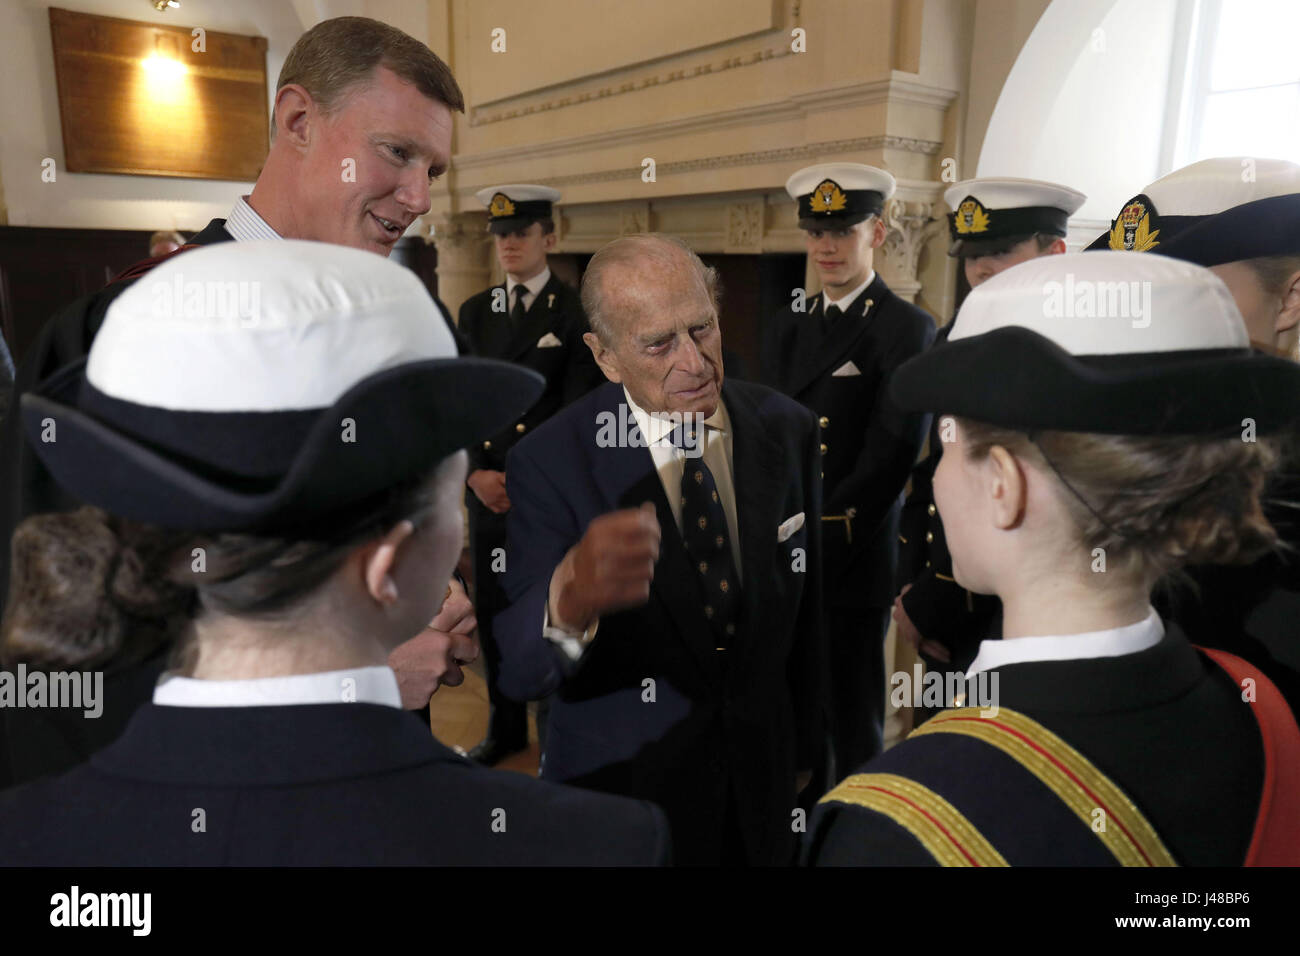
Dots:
{"x": 953, "y": 840}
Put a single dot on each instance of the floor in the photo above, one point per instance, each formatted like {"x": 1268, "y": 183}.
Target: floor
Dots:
{"x": 459, "y": 715}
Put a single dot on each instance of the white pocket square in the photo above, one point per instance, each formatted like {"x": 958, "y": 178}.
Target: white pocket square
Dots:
{"x": 549, "y": 341}
{"x": 848, "y": 368}
{"x": 788, "y": 527}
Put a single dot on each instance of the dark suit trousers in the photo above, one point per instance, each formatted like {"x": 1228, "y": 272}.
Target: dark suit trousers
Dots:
{"x": 508, "y": 722}
{"x": 856, "y": 650}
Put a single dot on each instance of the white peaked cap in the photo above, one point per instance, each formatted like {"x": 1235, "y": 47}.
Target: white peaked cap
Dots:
{"x": 1215, "y": 185}
{"x": 1015, "y": 194}
{"x": 519, "y": 192}
{"x": 847, "y": 175}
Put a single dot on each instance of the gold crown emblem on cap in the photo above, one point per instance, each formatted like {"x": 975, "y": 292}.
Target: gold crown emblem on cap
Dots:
{"x": 828, "y": 197}
{"x": 1132, "y": 230}
{"x": 501, "y": 206}
{"x": 971, "y": 217}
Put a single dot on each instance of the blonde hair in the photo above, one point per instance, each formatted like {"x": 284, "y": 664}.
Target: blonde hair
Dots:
{"x": 1154, "y": 503}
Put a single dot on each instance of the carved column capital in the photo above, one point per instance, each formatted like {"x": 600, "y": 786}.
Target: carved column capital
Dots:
{"x": 909, "y": 225}
{"x": 464, "y": 256}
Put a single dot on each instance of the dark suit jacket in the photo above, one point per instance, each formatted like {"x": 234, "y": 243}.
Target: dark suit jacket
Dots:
{"x": 27, "y": 488}
{"x": 569, "y": 368}
{"x": 744, "y": 720}
{"x": 309, "y": 785}
{"x": 868, "y": 443}
{"x": 1167, "y": 725}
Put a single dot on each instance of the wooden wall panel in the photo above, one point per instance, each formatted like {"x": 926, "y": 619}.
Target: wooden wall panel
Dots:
{"x": 136, "y": 98}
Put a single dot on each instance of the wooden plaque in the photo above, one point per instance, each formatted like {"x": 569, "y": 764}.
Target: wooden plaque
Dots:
{"x": 140, "y": 99}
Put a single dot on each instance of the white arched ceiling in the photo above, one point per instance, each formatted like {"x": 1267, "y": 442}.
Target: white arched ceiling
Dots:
{"x": 1085, "y": 102}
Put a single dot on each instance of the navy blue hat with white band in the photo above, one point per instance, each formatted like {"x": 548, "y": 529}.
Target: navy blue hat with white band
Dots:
{"x": 265, "y": 385}
{"x": 839, "y": 195}
{"x": 990, "y": 216}
{"x": 1213, "y": 211}
{"x": 1103, "y": 342}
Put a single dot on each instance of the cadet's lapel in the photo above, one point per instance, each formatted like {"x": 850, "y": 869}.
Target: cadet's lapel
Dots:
{"x": 757, "y": 479}
{"x": 537, "y": 320}
{"x": 845, "y": 334}
{"x": 627, "y": 478}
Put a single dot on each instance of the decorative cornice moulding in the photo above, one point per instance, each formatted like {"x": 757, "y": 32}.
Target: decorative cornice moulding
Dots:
{"x": 758, "y": 157}
{"x": 589, "y": 91}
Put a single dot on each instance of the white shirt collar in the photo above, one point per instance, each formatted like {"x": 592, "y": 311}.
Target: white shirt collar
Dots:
{"x": 847, "y": 301}
{"x": 244, "y": 223}
{"x": 658, "y": 427}
{"x": 534, "y": 285}
{"x": 1115, "y": 642}
{"x": 366, "y": 685}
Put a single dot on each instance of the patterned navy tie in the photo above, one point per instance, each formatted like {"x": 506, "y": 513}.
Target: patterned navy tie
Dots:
{"x": 708, "y": 543}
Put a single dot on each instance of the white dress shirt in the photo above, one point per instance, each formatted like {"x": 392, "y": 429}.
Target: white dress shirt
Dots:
{"x": 366, "y": 685}
{"x": 1115, "y": 642}
{"x": 847, "y": 301}
{"x": 244, "y": 224}
{"x": 532, "y": 288}
{"x": 670, "y": 462}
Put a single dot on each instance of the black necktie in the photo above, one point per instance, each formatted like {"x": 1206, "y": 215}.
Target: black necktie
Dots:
{"x": 708, "y": 542}
{"x": 830, "y": 315}
{"x": 517, "y": 311}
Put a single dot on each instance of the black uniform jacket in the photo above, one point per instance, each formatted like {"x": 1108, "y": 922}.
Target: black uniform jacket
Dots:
{"x": 309, "y": 785}
{"x": 1167, "y": 725}
{"x": 652, "y": 708}
{"x": 34, "y": 743}
{"x": 549, "y": 341}
{"x": 1252, "y": 610}
{"x": 868, "y": 444}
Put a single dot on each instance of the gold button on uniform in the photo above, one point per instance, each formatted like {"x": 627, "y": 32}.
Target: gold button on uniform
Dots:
{"x": 930, "y": 510}
{"x": 929, "y": 537}
{"x": 823, "y": 449}
{"x": 487, "y": 446}
{"x": 823, "y": 421}
{"x": 520, "y": 428}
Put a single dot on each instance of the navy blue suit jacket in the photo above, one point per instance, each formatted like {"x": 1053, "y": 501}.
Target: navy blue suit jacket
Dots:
{"x": 652, "y": 709}
{"x": 309, "y": 785}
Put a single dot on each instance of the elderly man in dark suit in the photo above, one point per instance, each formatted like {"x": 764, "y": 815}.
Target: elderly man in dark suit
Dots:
{"x": 664, "y": 570}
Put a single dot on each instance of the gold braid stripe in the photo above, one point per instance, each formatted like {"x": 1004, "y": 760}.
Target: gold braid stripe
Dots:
{"x": 1068, "y": 774}
{"x": 939, "y": 826}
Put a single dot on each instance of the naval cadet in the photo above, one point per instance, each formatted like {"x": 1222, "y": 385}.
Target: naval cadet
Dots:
{"x": 1240, "y": 217}
{"x": 1091, "y": 459}
{"x": 994, "y": 224}
{"x": 535, "y": 320}
{"x": 836, "y": 357}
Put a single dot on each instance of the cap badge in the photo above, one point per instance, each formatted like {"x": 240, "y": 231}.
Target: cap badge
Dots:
{"x": 971, "y": 217}
{"x": 501, "y": 206}
{"x": 1132, "y": 231}
{"x": 828, "y": 197}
